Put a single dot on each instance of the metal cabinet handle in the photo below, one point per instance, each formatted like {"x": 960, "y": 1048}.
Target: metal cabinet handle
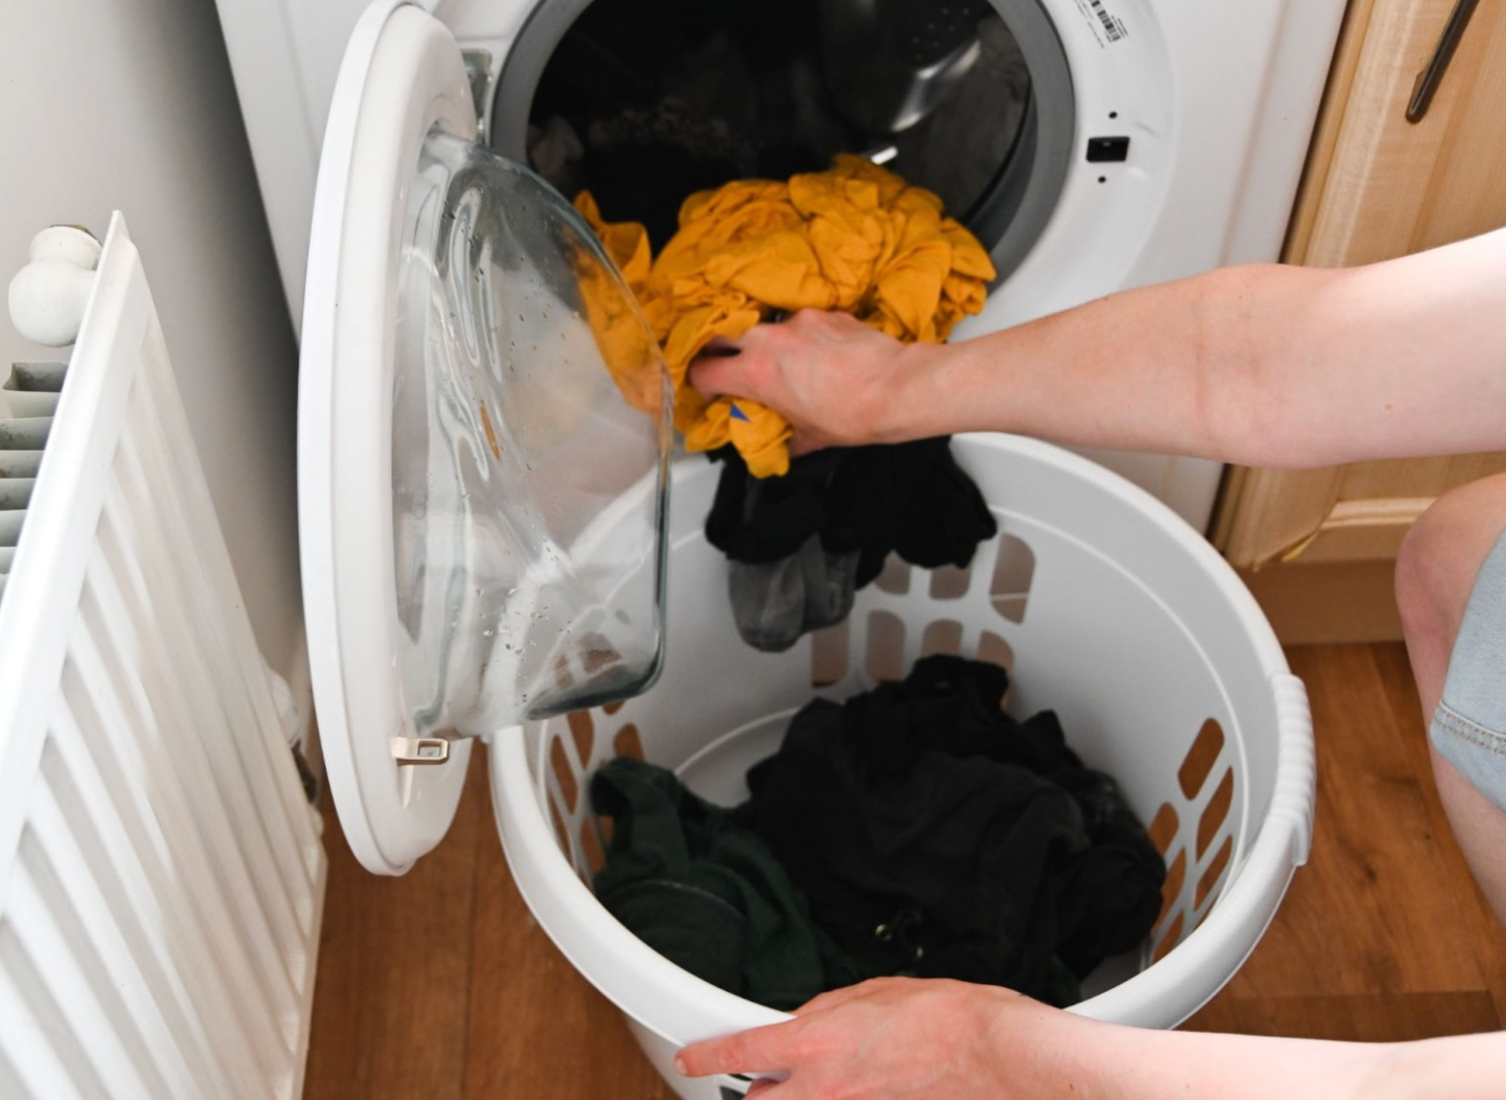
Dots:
{"x": 1429, "y": 79}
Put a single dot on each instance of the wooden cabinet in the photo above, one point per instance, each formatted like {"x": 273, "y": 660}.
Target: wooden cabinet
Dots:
{"x": 1317, "y": 545}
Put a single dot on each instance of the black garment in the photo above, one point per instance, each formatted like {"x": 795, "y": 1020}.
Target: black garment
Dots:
{"x": 907, "y": 498}
{"x": 708, "y": 895}
{"x": 936, "y": 836}
{"x": 678, "y": 96}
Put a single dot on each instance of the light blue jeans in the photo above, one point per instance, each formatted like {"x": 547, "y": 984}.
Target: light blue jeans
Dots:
{"x": 1469, "y": 727}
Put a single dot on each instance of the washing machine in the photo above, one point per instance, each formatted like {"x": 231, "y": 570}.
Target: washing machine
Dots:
{"x": 1093, "y": 145}
{"x": 484, "y": 426}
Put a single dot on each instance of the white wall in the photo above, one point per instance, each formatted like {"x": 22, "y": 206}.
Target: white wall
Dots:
{"x": 129, "y": 105}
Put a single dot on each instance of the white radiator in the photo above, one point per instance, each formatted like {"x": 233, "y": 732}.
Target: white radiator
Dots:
{"x": 161, "y": 873}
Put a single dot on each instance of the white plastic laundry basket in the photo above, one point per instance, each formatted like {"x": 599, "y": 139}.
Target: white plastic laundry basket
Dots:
{"x": 1104, "y": 605}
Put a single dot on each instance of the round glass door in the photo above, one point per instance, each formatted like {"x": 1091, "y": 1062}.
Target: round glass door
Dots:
{"x": 644, "y": 102}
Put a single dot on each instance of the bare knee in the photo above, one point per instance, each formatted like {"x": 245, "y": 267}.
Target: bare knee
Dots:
{"x": 1435, "y": 571}
{"x": 1427, "y": 577}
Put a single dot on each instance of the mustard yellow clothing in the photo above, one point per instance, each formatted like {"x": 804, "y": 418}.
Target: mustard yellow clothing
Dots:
{"x": 627, "y": 349}
{"x": 855, "y": 238}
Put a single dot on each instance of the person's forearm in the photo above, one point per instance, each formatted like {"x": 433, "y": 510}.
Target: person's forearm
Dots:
{"x": 1128, "y": 1064}
{"x": 1260, "y": 365}
{"x": 951, "y": 1040}
{"x": 1133, "y": 370}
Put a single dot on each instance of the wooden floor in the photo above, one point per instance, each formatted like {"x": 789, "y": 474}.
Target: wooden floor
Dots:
{"x": 440, "y": 986}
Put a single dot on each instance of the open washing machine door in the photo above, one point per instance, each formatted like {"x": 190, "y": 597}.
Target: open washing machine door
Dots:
{"x": 484, "y": 432}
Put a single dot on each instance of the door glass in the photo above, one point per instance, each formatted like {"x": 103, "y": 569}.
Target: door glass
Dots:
{"x": 530, "y": 440}
{"x": 645, "y": 101}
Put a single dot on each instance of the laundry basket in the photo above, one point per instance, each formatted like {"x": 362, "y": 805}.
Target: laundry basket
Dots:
{"x": 1104, "y": 605}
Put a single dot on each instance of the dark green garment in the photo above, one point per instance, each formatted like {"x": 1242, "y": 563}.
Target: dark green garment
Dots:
{"x": 708, "y": 895}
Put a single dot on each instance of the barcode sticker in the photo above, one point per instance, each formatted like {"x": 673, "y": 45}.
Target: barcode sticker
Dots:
{"x": 1107, "y": 28}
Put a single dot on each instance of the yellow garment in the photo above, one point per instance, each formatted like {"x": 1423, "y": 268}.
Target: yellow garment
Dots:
{"x": 855, "y": 238}
{"x": 614, "y": 317}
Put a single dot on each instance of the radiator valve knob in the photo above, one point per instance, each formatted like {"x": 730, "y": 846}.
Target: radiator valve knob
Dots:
{"x": 49, "y": 295}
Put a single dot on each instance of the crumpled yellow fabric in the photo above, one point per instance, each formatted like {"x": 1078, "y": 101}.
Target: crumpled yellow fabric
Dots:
{"x": 855, "y": 238}
{"x": 627, "y": 348}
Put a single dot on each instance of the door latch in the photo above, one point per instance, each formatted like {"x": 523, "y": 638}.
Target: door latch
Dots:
{"x": 420, "y": 750}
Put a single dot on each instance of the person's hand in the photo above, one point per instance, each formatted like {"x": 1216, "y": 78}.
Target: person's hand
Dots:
{"x": 905, "y": 1039}
{"x": 836, "y": 380}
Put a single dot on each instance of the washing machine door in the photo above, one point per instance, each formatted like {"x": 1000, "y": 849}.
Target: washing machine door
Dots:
{"x": 484, "y": 429}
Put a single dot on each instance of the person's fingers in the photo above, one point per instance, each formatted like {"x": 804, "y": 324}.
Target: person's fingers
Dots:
{"x": 715, "y": 376}
{"x": 719, "y": 347}
{"x": 762, "y": 1085}
{"x": 759, "y": 1050}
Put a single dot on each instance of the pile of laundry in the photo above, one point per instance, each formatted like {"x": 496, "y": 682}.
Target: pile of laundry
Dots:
{"x": 916, "y": 829}
{"x": 803, "y": 535}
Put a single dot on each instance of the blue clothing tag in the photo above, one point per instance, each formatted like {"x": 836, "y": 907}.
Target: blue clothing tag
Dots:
{"x": 738, "y": 414}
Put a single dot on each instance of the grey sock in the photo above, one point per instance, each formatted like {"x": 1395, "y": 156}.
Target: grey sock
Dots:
{"x": 774, "y": 603}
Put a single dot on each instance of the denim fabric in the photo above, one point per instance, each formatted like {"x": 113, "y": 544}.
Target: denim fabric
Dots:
{"x": 1469, "y": 727}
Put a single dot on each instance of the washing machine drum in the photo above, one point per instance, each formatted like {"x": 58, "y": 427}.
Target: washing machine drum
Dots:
{"x": 484, "y": 428}
{"x": 644, "y": 102}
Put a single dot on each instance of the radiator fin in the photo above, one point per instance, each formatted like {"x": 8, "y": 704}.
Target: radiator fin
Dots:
{"x": 161, "y": 871}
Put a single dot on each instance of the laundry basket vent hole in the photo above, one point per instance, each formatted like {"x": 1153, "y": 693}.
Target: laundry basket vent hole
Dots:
{"x": 583, "y": 730}
{"x": 612, "y": 708}
{"x": 894, "y": 577}
{"x": 590, "y": 844}
{"x": 1164, "y": 827}
{"x": 943, "y": 636}
{"x": 1171, "y": 890}
{"x": 950, "y": 583}
{"x": 1014, "y": 570}
{"x": 829, "y": 655}
{"x": 1212, "y": 878}
{"x": 1170, "y": 938}
{"x": 1197, "y": 765}
{"x": 996, "y": 651}
{"x": 564, "y": 774}
{"x": 1215, "y": 813}
{"x": 886, "y": 647}
{"x": 628, "y": 743}
{"x": 561, "y": 833}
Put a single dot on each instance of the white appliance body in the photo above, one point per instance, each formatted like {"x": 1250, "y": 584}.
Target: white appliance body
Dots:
{"x": 1218, "y": 102}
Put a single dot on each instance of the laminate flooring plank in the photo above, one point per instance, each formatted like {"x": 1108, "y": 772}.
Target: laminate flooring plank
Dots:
{"x": 1375, "y": 1017}
{"x": 538, "y": 1029}
{"x": 1477, "y": 925}
{"x": 391, "y": 996}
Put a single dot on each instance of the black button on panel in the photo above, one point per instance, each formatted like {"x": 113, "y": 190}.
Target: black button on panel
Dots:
{"x": 1108, "y": 149}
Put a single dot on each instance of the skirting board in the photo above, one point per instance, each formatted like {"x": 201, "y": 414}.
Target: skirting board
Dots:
{"x": 1326, "y": 603}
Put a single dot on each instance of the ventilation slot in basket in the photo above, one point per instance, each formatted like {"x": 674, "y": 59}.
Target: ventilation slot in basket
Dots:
{"x": 1197, "y": 842}
{"x": 950, "y": 583}
{"x": 995, "y": 650}
{"x": 1014, "y": 570}
{"x": 829, "y": 655}
{"x": 942, "y": 637}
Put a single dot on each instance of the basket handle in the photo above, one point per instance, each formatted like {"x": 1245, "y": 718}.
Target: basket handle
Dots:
{"x": 1296, "y": 764}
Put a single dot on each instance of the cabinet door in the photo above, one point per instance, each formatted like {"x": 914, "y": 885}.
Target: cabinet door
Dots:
{"x": 1378, "y": 186}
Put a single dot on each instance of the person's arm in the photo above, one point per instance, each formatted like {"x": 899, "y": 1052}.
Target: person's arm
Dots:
{"x": 903, "y": 1039}
{"x": 1262, "y": 365}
